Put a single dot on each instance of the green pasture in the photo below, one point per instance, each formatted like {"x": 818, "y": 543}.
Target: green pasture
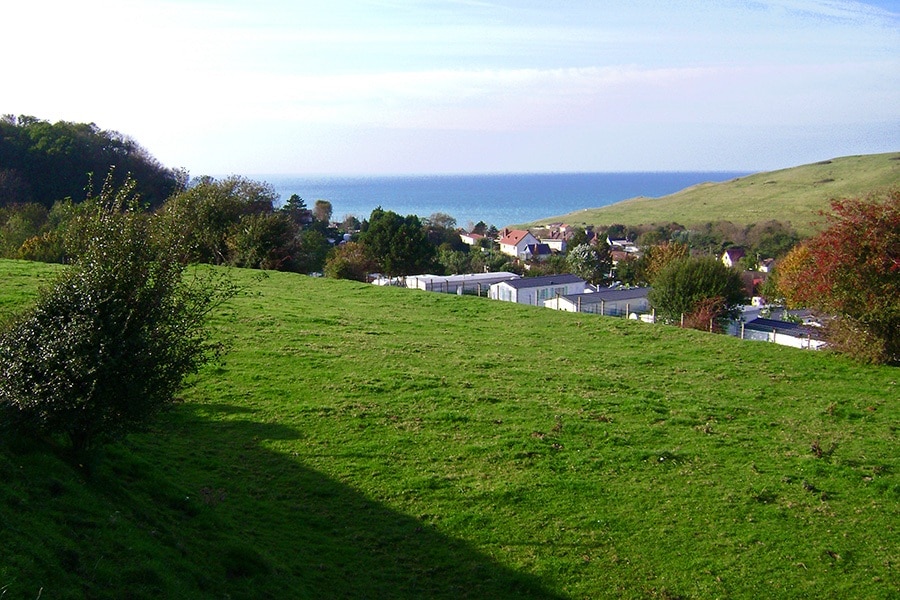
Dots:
{"x": 367, "y": 442}
{"x": 796, "y": 195}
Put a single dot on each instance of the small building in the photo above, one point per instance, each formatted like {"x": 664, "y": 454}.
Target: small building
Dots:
{"x": 766, "y": 265}
{"x": 515, "y": 242}
{"x": 605, "y": 301}
{"x": 472, "y": 239}
{"x": 536, "y": 252}
{"x": 534, "y": 290}
{"x": 469, "y": 283}
{"x": 731, "y": 256}
{"x": 623, "y": 245}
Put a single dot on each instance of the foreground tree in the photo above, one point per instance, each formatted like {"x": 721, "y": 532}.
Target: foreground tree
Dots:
{"x": 111, "y": 342}
{"x": 852, "y": 270}
{"x": 699, "y": 289}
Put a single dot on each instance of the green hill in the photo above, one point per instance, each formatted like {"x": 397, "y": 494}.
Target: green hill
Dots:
{"x": 794, "y": 195}
{"x": 367, "y": 442}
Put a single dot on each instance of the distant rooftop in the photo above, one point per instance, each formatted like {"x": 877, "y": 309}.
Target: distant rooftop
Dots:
{"x": 529, "y": 282}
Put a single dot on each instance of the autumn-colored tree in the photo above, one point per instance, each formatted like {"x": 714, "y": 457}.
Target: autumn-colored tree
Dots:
{"x": 853, "y": 273}
{"x": 706, "y": 315}
{"x": 789, "y": 273}
{"x": 657, "y": 257}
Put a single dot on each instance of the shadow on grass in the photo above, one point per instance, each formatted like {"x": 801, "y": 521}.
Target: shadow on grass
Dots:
{"x": 271, "y": 527}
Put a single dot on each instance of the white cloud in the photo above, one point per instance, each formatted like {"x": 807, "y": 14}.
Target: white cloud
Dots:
{"x": 197, "y": 79}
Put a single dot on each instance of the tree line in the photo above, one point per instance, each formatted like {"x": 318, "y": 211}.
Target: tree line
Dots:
{"x": 42, "y": 162}
{"x": 47, "y": 170}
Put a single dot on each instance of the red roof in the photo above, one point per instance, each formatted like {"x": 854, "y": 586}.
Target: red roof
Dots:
{"x": 514, "y": 236}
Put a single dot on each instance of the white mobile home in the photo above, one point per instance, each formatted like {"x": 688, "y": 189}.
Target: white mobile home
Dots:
{"x": 534, "y": 290}
{"x": 785, "y": 333}
{"x": 470, "y": 283}
{"x": 617, "y": 301}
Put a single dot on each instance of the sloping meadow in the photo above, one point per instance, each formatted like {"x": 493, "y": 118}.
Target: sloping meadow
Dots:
{"x": 358, "y": 441}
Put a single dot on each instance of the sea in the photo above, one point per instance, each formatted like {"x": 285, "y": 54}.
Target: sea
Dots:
{"x": 498, "y": 200}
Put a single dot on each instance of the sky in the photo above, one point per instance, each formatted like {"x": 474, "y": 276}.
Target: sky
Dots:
{"x": 361, "y": 87}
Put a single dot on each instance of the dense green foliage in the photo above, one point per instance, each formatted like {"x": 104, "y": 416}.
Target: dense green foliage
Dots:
{"x": 700, "y": 289}
{"x": 108, "y": 345}
{"x": 398, "y": 245}
{"x": 43, "y": 162}
{"x": 347, "y": 448}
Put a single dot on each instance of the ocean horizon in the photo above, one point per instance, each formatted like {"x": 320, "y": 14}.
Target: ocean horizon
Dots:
{"x": 500, "y": 200}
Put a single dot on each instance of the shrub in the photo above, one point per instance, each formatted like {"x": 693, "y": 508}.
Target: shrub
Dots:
{"x": 111, "y": 342}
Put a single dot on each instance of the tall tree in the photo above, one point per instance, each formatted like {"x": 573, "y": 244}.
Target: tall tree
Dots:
{"x": 322, "y": 211}
{"x": 851, "y": 270}
{"x": 295, "y": 208}
{"x": 657, "y": 257}
{"x": 209, "y": 212}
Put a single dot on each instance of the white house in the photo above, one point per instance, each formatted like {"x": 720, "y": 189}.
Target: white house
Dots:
{"x": 516, "y": 241}
{"x": 731, "y": 256}
{"x": 474, "y": 283}
{"x": 605, "y": 301}
{"x": 534, "y": 290}
{"x": 471, "y": 238}
{"x": 623, "y": 246}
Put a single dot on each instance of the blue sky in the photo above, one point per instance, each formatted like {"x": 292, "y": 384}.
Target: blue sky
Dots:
{"x": 464, "y": 86}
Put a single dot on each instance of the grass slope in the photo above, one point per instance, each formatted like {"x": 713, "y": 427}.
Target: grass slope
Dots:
{"x": 793, "y": 195}
{"x": 366, "y": 442}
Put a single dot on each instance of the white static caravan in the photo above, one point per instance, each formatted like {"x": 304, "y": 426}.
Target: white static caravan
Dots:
{"x": 784, "y": 333}
{"x": 614, "y": 302}
{"x": 470, "y": 283}
{"x": 534, "y": 290}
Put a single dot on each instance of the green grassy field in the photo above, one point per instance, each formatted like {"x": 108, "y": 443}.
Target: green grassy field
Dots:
{"x": 794, "y": 195}
{"x": 367, "y": 442}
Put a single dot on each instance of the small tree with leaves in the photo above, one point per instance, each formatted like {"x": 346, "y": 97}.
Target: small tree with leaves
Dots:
{"x": 109, "y": 344}
{"x": 589, "y": 263}
{"x": 691, "y": 286}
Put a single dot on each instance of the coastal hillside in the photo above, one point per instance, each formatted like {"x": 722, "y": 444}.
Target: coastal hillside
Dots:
{"x": 359, "y": 441}
{"x": 794, "y": 195}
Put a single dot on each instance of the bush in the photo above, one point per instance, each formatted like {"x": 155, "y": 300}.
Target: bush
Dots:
{"x": 111, "y": 342}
